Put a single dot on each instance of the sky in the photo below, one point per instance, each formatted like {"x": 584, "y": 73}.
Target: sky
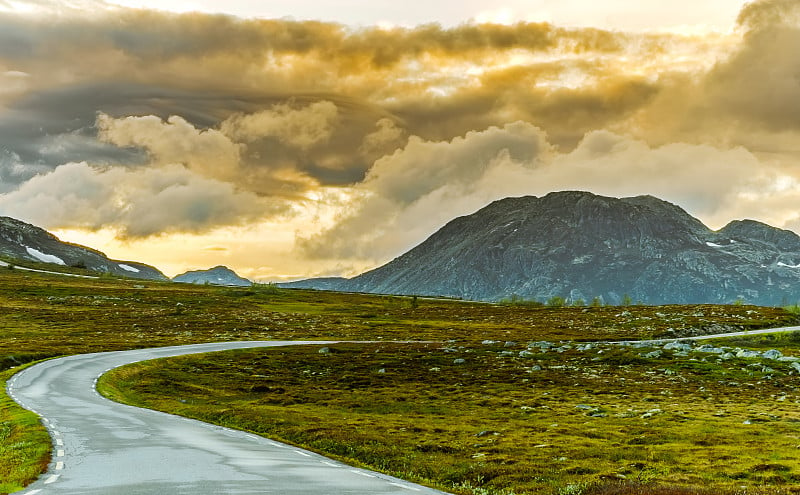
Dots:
{"x": 323, "y": 138}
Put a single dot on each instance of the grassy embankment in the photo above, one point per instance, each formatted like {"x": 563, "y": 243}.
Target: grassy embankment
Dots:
{"x": 24, "y": 442}
{"x": 577, "y": 421}
{"x": 44, "y": 316}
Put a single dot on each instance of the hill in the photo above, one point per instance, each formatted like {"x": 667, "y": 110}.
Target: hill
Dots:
{"x": 22, "y": 243}
{"x": 580, "y": 246}
{"x": 219, "y": 275}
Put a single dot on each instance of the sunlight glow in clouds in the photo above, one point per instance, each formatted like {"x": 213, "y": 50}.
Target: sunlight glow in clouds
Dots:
{"x": 290, "y": 148}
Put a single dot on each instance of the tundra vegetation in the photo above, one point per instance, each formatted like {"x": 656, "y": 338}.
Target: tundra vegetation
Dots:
{"x": 505, "y": 399}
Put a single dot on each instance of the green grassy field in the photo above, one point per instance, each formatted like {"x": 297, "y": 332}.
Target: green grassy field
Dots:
{"x": 481, "y": 419}
{"x": 45, "y": 316}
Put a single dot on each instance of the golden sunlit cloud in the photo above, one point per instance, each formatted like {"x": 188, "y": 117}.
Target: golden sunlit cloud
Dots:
{"x": 293, "y": 148}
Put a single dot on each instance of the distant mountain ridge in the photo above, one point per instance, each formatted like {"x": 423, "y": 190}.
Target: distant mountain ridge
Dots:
{"x": 20, "y": 242}
{"x": 578, "y": 245}
{"x": 219, "y": 275}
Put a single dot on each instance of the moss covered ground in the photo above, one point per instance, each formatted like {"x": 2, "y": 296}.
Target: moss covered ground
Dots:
{"x": 44, "y": 316}
{"x": 479, "y": 418}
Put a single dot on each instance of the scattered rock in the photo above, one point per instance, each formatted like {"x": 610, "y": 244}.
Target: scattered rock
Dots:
{"x": 651, "y": 413}
{"x": 526, "y": 354}
{"x": 325, "y": 350}
{"x": 772, "y": 354}
{"x": 710, "y": 349}
{"x": 677, "y": 346}
{"x": 652, "y": 355}
{"x": 459, "y": 361}
{"x": 743, "y": 353}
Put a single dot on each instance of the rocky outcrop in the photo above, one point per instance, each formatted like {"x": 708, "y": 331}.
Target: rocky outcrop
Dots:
{"x": 578, "y": 245}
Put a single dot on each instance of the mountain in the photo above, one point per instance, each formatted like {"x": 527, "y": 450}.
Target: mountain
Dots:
{"x": 219, "y": 275}
{"x": 579, "y": 245}
{"x": 21, "y": 242}
{"x": 322, "y": 283}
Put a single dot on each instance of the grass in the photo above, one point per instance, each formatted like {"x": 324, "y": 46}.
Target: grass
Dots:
{"x": 43, "y": 316}
{"x": 496, "y": 423}
{"x": 24, "y": 442}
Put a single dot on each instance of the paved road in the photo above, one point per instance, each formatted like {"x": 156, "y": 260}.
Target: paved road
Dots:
{"x": 742, "y": 333}
{"x": 102, "y": 447}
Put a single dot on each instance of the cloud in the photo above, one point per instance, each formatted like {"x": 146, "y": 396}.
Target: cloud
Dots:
{"x": 750, "y": 98}
{"x": 422, "y": 172}
{"x": 386, "y": 139}
{"x": 137, "y": 203}
{"x": 224, "y": 121}
{"x": 434, "y": 82}
{"x": 412, "y": 193}
{"x": 303, "y": 127}
{"x": 13, "y": 171}
{"x": 208, "y": 152}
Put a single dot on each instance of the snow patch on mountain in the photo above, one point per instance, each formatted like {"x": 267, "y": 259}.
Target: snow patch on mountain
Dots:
{"x": 46, "y": 258}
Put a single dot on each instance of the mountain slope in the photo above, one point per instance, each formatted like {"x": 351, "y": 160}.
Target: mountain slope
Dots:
{"x": 219, "y": 275}
{"x": 578, "y": 245}
{"x": 20, "y": 242}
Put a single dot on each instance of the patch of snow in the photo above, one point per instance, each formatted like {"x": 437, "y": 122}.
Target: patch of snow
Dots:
{"x": 47, "y": 258}
{"x": 780, "y": 263}
{"x": 711, "y": 244}
{"x": 128, "y": 268}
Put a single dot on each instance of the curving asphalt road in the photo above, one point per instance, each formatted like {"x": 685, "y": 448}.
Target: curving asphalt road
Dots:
{"x": 102, "y": 447}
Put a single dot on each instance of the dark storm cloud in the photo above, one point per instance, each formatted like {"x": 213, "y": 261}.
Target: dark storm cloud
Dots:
{"x": 263, "y": 110}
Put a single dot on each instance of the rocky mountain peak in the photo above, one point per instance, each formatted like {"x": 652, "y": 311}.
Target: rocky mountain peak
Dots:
{"x": 579, "y": 245}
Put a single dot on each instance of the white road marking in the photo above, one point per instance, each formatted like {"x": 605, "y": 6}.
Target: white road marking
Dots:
{"x": 33, "y": 492}
{"x": 59, "y": 453}
{"x": 59, "y": 466}
{"x": 52, "y": 479}
{"x": 59, "y": 442}
{"x": 330, "y": 464}
{"x": 56, "y": 433}
{"x": 362, "y": 473}
{"x": 302, "y": 453}
{"x": 45, "y": 420}
{"x": 405, "y": 486}
{"x": 277, "y": 445}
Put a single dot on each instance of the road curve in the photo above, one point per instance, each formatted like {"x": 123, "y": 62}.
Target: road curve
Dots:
{"x": 741, "y": 333}
{"x": 102, "y": 447}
